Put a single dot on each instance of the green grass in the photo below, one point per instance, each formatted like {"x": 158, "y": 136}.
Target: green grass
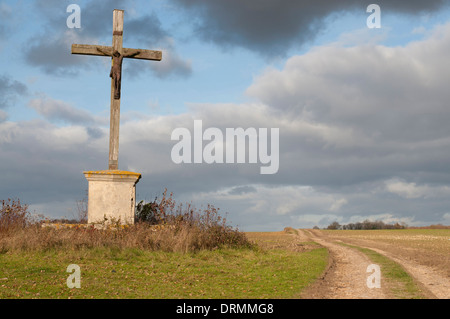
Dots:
{"x": 396, "y": 279}
{"x": 135, "y": 273}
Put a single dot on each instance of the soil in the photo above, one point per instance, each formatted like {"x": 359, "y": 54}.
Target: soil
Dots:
{"x": 346, "y": 275}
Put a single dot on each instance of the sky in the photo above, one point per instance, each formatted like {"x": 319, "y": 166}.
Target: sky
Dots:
{"x": 362, "y": 113}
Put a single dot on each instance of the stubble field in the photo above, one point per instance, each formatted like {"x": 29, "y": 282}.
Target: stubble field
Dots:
{"x": 429, "y": 247}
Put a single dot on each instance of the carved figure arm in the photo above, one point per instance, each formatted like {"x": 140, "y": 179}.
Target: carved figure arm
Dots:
{"x": 103, "y": 51}
{"x": 131, "y": 55}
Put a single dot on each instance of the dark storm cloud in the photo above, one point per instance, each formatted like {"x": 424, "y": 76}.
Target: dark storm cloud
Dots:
{"x": 146, "y": 29}
{"x": 50, "y": 50}
{"x": 271, "y": 27}
{"x": 53, "y": 56}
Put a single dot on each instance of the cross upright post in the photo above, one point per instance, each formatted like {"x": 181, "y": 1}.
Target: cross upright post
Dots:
{"x": 117, "y": 45}
{"x": 117, "y": 52}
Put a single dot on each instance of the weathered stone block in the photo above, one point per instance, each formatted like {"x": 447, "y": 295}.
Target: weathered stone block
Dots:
{"x": 112, "y": 194}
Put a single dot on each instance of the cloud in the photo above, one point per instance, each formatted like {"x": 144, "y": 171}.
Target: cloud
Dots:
{"x": 242, "y": 190}
{"x": 407, "y": 190}
{"x": 43, "y": 163}
{"x": 272, "y": 27}
{"x": 5, "y": 10}
{"x": 446, "y": 219}
{"x": 60, "y": 111}
{"x": 10, "y": 89}
{"x": 372, "y": 92}
{"x": 5, "y": 15}
{"x": 270, "y": 208}
{"x": 3, "y": 116}
{"x": 412, "y": 190}
{"x": 336, "y": 206}
{"x": 53, "y": 55}
{"x": 171, "y": 66}
{"x": 146, "y": 29}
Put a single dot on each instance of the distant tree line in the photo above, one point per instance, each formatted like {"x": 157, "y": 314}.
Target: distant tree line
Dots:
{"x": 367, "y": 224}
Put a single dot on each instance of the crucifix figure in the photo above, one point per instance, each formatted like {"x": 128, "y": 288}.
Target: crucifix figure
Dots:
{"x": 116, "y": 73}
{"x": 116, "y": 69}
{"x": 117, "y": 53}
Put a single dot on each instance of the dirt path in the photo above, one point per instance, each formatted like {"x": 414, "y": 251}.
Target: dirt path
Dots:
{"x": 346, "y": 277}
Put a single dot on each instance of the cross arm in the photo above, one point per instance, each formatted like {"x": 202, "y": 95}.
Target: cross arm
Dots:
{"x": 87, "y": 49}
{"x": 142, "y": 54}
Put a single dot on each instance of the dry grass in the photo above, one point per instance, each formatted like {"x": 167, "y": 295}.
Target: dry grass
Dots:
{"x": 177, "y": 230}
{"x": 142, "y": 236}
{"x": 285, "y": 239}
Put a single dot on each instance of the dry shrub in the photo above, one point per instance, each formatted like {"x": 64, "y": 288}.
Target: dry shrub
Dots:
{"x": 13, "y": 216}
{"x": 172, "y": 228}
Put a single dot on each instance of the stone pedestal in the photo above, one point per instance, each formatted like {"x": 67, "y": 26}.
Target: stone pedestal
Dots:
{"x": 112, "y": 194}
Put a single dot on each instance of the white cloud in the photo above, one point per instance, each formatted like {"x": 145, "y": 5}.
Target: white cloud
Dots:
{"x": 336, "y": 206}
{"x": 446, "y": 219}
{"x": 412, "y": 190}
{"x": 379, "y": 92}
{"x": 53, "y": 109}
{"x": 3, "y": 116}
{"x": 407, "y": 190}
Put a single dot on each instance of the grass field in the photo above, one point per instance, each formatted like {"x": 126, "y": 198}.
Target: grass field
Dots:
{"x": 270, "y": 271}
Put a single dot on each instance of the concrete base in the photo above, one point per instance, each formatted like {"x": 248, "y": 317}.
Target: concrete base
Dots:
{"x": 112, "y": 195}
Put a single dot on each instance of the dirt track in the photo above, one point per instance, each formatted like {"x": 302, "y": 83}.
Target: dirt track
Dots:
{"x": 347, "y": 275}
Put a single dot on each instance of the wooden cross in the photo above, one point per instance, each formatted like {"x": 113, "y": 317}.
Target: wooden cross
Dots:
{"x": 117, "y": 52}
